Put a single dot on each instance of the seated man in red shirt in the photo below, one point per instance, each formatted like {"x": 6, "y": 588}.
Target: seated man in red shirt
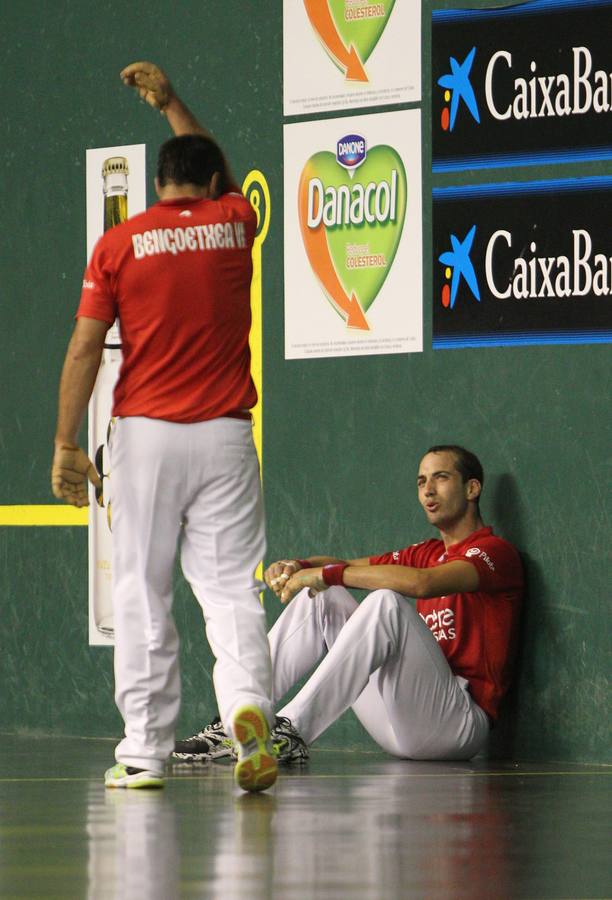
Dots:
{"x": 425, "y": 680}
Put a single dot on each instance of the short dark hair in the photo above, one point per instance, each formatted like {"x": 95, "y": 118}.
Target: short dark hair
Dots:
{"x": 190, "y": 159}
{"x": 468, "y": 464}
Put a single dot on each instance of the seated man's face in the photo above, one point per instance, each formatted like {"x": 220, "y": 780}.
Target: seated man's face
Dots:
{"x": 442, "y": 492}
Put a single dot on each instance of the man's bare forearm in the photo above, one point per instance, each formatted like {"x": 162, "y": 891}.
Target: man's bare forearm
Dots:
{"x": 316, "y": 561}
{"x": 449, "y": 578}
{"x": 456, "y": 576}
{"x": 181, "y": 120}
{"x": 76, "y": 385}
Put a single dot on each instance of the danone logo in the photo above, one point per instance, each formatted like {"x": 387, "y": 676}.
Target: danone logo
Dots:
{"x": 349, "y": 30}
{"x": 351, "y": 221}
{"x": 351, "y": 151}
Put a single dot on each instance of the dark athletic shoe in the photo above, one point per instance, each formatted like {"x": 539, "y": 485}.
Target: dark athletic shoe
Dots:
{"x": 210, "y": 743}
{"x": 289, "y": 745}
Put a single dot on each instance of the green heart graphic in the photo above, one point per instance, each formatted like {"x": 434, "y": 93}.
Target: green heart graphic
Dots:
{"x": 362, "y": 253}
{"x": 362, "y": 33}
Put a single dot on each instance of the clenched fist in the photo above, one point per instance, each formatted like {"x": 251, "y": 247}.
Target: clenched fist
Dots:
{"x": 70, "y": 471}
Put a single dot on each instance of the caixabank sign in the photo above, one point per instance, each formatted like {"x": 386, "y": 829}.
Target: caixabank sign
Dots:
{"x": 522, "y": 263}
{"x": 522, "y": 85}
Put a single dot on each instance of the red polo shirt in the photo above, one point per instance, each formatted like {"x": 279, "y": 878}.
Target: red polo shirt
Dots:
{"x": 178, "y": 276}
{"x": 475, "y": 631}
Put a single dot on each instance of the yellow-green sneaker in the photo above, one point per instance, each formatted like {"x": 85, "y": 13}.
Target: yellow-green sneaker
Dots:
{"x": 121, "y": 776}
{"x": 256, "y": 768}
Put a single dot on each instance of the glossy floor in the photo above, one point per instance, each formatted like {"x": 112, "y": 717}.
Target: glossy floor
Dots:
{"x": 349, "y": 825}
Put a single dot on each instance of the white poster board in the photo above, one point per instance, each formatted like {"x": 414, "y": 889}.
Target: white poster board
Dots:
{"x": 353, "y": 236}
{"x": 345, "y": 54}
{"x": 128, "y": 178}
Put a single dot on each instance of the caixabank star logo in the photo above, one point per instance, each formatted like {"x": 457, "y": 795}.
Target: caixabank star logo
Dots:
{"x": 458, "y": 89}
{"x": 457, "y": 268}
{"x": 525, "y": 85}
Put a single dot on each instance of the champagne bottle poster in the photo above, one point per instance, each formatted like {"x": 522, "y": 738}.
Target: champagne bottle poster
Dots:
{"x": 345, "y": 54}
{"x": 353, "y": 236}
{"x": 116, "y": 189}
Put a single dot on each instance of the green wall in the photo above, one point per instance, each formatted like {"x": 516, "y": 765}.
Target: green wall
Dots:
{"x": 342, "y": 437}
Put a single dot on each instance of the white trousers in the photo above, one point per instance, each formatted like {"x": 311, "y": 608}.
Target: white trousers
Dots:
{"x": 379, "y": 658}
{"x": 195, "y": 487}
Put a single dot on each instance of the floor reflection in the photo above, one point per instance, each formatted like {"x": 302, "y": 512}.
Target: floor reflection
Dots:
{"x": 358, "y": 827}
{"x": 374, "y": 836}
{"x": 133, "y": 847}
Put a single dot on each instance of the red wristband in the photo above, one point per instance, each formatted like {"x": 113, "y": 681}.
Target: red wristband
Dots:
{"x": 303, "y": 563}
{"x": 332, "y": 573}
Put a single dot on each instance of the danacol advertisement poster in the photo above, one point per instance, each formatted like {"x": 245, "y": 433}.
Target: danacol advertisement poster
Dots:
{"x": 353, "y": 236}
{"x": 344, "y": 54}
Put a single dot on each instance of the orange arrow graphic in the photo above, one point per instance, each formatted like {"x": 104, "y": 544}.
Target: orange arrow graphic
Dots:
{"x": 322, "y": 21}
{"x": 317, "y": 250}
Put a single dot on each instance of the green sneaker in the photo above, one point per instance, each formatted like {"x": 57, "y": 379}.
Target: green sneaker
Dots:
{"x": 121, "y": 776}
{"x": 256, "y": 768}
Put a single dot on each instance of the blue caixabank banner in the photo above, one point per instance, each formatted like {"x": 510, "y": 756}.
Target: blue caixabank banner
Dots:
{"x": 522, "y": 263}
{"x": 522, "y": 85}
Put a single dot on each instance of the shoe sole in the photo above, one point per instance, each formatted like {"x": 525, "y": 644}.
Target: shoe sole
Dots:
{"x": 257, "y": 769}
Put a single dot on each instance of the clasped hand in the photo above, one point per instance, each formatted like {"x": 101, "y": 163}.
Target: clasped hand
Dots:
{"x": 286, "y": 579}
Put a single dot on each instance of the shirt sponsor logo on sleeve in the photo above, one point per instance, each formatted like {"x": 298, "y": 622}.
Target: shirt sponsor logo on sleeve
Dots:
{"x": 88, "y": 285}
{"x": 476, "y": 551}
{"x": 396, "y": 555}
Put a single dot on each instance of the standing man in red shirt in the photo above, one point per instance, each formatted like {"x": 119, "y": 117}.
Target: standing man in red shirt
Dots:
{"x": 425, "y": 680}
{"x": 184, "y": 468}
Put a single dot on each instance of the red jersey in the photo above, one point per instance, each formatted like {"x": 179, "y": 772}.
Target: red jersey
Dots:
{"x": 178, "y": 276}
{"x": 476, "y": 631}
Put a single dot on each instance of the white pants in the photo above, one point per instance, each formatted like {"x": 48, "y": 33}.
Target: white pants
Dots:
{"x": 379, "y": 658}
{"x": 195, "y": 486}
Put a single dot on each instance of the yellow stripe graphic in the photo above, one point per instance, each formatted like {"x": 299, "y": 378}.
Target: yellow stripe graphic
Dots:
{"x": 255, "y": 189}
{"x": 42, "y": 515}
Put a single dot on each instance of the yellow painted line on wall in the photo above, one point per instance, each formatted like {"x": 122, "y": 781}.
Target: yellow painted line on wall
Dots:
{"x": 40, "y": 515}
{"x": 255, "y": 189}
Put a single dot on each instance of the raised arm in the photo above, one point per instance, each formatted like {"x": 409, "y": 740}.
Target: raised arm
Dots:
{"x": 153, "y": 86}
